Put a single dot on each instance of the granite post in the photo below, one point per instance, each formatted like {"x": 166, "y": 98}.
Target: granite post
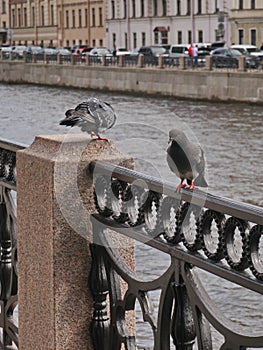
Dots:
{"x": 54, "y": 201}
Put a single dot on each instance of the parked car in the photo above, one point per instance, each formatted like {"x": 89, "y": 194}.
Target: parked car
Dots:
{"x": 63, "y": 51}
{"x": 249, "y": 50}
{"x": 151, "y": 53}
{"x": 6, "y": 51}
{"x": 179, "y": 50}
{"x": 33, "y": 49}
{"x": 76, "y": 47}
{"x": 122, "y": 51}
{"x": 229, "y": 58}
{"x": 153, "y": 50}
{"x": 18, "y": 52}
{"x": 97, "y": 53}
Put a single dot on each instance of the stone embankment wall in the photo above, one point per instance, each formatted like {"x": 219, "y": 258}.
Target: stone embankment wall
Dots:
{"x": 200, "y": 84}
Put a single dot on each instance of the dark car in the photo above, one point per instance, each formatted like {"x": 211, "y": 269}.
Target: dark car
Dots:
{"x": 151, "y": 53}
{"x": 229, "y": 58}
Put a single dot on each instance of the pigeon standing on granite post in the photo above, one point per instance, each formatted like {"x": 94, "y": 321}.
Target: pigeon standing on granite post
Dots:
{"x": 186, "y": 160}
{"x": 92, "y": 116}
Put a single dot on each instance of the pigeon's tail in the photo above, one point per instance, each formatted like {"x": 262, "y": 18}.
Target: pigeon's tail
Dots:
{"x": 200, "y": 181}
{"x": 71, "y": 118}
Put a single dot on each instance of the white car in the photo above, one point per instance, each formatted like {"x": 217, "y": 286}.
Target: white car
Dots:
{"x": 97, "y": 52}
{"x": 122, "y": 51}
{"x": 248, "y": 50}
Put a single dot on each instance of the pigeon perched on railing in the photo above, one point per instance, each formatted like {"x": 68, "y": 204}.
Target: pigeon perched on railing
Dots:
{"x": 92, "y": 116}
{"x": 186, "y": 160}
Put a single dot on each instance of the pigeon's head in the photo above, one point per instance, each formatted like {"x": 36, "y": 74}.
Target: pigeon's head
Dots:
{"x": 176, "y": 135}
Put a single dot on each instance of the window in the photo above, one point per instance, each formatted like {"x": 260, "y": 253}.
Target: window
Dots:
{"x": 189, "y": 36}
{"x": 67, "y": 19}
{"x": 73, "y": 19}
{"x": 42, "y": 15}
{"x": 253, "y": 37}
{"x": 179, "y": 37}
{"x": 164, "y": 8}
{"x": 199, "y": 6}
{"x": 113, "y": 9}
{"x": 52, "y": 14}
{"x": 133, "y": 8}
{"x": 93, "y": 23}
{"x": 240, "y": 36}
{"x": 124, "y": 8}
{"x": 156, "y": 37}
{"x": 241, "y": 5}
{"x": 142, "y": 8}
{"x": 33, "y": 16}
{"x": 134, "y": 39}
{"x": 113, "y": 39}
{"x": 80, "y": 18}
{"x": 188, "y": 7}
{"x": 178, "y": 7}
{"x": 86, "y": 18}
{"x": 3, "y": 6}
{"x": 126, "y": 40}
{"x": 155, "y": 7}
{"x": 100, "y": 17}
{"x": 143, "y": 39}
{"x": 19, "y": 17}
{"x": 200, "y": 36}
{"x": 101, "y": 42}
{"x": 25, "y": 17}
{"x": 253, "y": 5}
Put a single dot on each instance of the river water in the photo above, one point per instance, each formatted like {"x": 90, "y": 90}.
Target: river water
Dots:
{"x": 229, "y": 133}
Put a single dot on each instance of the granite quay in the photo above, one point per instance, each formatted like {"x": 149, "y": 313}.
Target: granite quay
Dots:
{"x": 162, "y": 77}
{"x": 67, "y": 258}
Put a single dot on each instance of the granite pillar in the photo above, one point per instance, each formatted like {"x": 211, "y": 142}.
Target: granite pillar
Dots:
{"x": 54, "y": 198}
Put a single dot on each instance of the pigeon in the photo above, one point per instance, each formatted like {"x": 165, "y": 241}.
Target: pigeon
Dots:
{"x": 186, "y": 160}
{"x": 92, "y": 116}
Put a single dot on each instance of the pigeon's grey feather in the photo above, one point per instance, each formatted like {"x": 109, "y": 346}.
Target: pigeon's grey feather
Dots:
{"x": 186, "y": 159}
{"x": 92, "y": 116}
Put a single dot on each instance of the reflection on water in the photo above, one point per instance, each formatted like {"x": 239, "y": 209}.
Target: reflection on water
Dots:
{"x": 230, "y": 134}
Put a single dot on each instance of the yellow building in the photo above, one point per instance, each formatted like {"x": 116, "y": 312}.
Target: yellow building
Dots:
{"x": 56, "y": 23}
{"x": 247, "y": 22}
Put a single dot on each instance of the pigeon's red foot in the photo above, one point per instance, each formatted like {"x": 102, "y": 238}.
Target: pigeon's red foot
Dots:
{"x": 101, "y": 138}
{"x": 191, "y": 187}
{"x": 98, "y": 137}
{"x": 181, "y": 185}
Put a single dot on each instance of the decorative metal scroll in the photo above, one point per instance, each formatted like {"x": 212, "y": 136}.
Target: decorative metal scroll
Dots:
{"x": 8, "y": 247}
{"x": 197, "y": 230}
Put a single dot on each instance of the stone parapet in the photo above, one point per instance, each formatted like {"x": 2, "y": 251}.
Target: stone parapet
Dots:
{"x": 54, "y": 197}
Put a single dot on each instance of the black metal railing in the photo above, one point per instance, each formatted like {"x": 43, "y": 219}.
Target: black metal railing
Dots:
{"x": 199, "y": 231}
{"x": 134, "y": 61}
{"x": 8, "y": 248}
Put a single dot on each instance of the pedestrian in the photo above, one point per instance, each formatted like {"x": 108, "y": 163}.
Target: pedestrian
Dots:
{"x": 190, "y": 53}
{"x": 195, "y": 56}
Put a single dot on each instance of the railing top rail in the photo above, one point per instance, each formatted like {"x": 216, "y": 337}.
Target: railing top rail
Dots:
{"x": 227, "y": 206}
{"x": 11, "y": 146}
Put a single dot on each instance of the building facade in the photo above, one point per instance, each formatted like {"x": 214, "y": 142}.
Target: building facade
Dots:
{"x": 132, "y": 23}
{"x": 53, "y": 23}
{"x": 247, "y": 22}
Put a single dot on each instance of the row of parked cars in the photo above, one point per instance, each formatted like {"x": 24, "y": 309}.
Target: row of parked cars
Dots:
{"x": 222, "y": 56}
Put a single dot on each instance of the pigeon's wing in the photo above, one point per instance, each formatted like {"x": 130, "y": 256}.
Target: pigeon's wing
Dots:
{"x": 198, "y": 164}
{"x": 81, "y": 118}
{"x": 103, "y": 113}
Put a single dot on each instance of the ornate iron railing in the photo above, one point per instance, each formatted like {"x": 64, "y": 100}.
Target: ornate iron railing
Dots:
{"x": 133, "y": 60}
{"x": 8, "y": 257}
{"x": 198, "y": 231}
